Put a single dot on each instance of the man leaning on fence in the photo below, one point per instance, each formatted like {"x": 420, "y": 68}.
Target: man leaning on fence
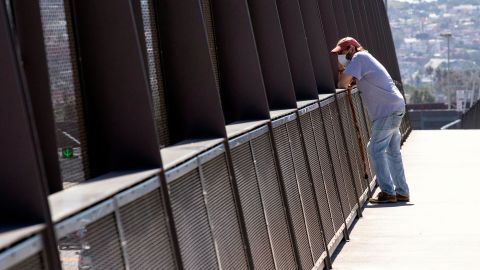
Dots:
{"x": 386, "y": 108}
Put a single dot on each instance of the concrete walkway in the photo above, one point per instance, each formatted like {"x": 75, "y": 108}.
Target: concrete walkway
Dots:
{"x": 439, "y": 228}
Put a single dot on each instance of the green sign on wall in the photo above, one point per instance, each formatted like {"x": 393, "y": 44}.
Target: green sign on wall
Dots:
{"x": 67, "y": 152}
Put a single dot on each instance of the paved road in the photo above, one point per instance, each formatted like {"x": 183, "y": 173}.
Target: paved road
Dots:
{"x": 439, "y": 228}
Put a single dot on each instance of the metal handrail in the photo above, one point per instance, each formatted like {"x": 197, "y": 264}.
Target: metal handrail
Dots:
{"x": 447, "y": 126}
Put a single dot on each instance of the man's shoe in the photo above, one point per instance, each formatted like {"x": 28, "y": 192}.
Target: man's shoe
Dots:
{"x": 383, "y": 198}
{"x": 401, "y": 198}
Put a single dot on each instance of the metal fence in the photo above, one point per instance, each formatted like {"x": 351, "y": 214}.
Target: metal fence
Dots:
{"x": 182, "y": 134}
{"x": 471, "y": 118}
{"x": 297, "y": 198}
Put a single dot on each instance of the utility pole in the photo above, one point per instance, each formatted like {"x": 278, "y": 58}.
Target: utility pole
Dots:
{"x": 448, "y": 36}
{"x": 386, "y": 6}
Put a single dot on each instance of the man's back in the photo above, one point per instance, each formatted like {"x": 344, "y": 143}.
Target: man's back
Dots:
{"x": 379, "y": 92}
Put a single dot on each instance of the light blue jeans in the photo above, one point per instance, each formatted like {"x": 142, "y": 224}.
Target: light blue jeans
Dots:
{"x": 384, "y": 151}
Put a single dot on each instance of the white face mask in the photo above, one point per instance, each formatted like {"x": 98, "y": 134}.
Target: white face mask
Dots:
{"x": 342, "y": 59}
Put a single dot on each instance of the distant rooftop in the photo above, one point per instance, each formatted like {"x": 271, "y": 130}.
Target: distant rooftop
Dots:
{"x": 436, "y": 63}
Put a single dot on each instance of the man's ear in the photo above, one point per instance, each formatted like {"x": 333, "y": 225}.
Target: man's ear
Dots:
{"x": 349, "y": 52}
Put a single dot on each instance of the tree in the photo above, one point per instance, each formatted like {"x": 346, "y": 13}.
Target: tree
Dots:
{"x": 416, "y": 97}
{"x": 420, "y": 96}
{"x": 429, "y": 71}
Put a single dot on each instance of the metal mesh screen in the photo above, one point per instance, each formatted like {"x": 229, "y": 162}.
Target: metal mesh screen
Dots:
{"x": 146, "y": 233}
{"x": 469, "y": 119}
{"x": 191, "y": 222}
{"x": 343, "y": 156}
{"x": 307, "y": 194}
{"x": 403, "y": 127}
{"x": 65, "y": 91}
{"x": 34, "y": 262}
{"x": 154, "y": 72}
{"x": 316, "y": 169}
{"x": 361, "y": 181}
{"x": 101, "y": 247}
{"x": 352, "y": 145}
{"x": 332, "y": 144}
{"x": 406, "y": 120}
{"x": 327, "y": 170}
{"x": 274, "y": 206}
{"x": 369, "y": 122}
{"x": 71, "y": 251}
{"x": 223, "y": 214}
{"x": 282, "y": 143}
{"x": 252, "y": 207}
{"x": 363, "y": 130}
{"x": 210, "y": 27}
{"x": 475, "y": 119}
{"x": 368, "y": 129}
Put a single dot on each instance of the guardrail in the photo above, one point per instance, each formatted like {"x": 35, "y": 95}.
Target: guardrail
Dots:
{"x": 471, "y": 118}
{"x": 248, "y": 167}
{"x": 297, "y": 187}
{"x": 405, "y": 126}
{"x": 23, "y": 248}
{"x": 451, "y": 125}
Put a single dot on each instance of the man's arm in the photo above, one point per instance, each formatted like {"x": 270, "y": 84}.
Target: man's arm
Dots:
{"x": 344, "y": 80}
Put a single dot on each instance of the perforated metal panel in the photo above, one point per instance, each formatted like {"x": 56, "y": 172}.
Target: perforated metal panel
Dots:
{"x": 210, "y": 28}
{"x": 34, "y": 262}
{"x": 274, "y": 206}
{"x": 343, "y": 156}
{"x": 102, "y": 248}
{"x": 251, "y": 201}
{"x": 325, "y": 159}
{"x": 307, "y": 194}
{"x": 363, "y": 130}
{"x": 317, "y": 177}
{"x": 65, "y": 91}
{"x": 356, "y": 140}
{"x": 469, "y": 120}
{"x": 360, "y": 115}
{"x": 146, "y": 233}
{"x": 369, "y": 122}
{"x": 358, "y": 106}
{"x": 402, "y": 127}
{"x": 332, "y": 144}
{"x": 223, "y": 214}
{"x": 155, "y": 72}
{"x": 367, "y": 130}
{"x": 289, "y": 177}
{"x": 191, "y": 222}
{"x": 352, "y": 145}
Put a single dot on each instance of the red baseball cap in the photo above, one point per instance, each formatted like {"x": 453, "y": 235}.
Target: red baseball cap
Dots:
{"x": 344, "y": 43}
